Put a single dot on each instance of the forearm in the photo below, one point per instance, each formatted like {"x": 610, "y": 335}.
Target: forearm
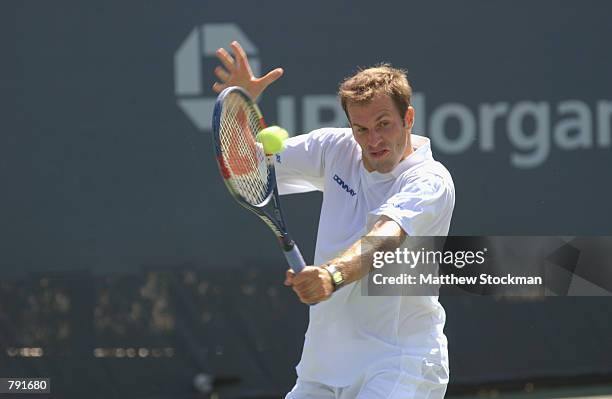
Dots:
{"x": 314, "y": 283}
{"x": 355, "y": 262}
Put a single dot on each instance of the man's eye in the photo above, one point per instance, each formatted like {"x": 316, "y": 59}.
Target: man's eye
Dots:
{"x": 383, "y": 123}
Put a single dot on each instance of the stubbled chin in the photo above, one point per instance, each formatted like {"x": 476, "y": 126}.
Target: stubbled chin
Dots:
{"x": 379, "y": 166}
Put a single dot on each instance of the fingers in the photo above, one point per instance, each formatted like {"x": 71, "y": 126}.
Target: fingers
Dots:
{"x": 222, "y": 74}
{"x": 289, "y": 276}
{"x": 271, "y": 76}
{"x": 226, "y": 59}
{"x": 311, "y": 286}
{"x": 236, "y": 71}
{"x": 312, "y": 295}
{"x": 219, "y": 87}
{"x": 241, "y": 57}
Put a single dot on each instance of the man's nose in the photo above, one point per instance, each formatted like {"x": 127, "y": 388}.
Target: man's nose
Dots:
{"x": 374, "y": 138}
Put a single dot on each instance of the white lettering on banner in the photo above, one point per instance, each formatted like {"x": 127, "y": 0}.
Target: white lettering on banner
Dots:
{"x": 604, "y": 120}
{"x": 532, "y": 128}
{"x": 315, "y": 105}
{"x": 488, "y": 114}
{"x": 467, "y": 128}
{"x": 537, "y": 141}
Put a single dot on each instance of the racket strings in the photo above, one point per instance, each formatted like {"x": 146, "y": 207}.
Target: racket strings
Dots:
{"x": 243, "y": 158}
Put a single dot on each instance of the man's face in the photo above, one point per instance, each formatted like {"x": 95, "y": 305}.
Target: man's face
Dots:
{"x": 381, "y": 132}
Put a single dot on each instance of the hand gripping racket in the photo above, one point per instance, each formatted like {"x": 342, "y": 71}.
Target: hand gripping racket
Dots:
{"x": 247, "y": 172}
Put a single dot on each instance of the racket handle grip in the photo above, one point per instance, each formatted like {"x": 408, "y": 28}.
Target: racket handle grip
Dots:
{"x": 295, "y": 259}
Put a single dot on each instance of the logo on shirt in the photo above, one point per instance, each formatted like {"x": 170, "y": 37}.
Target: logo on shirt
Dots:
{"x": 344, "y": 186}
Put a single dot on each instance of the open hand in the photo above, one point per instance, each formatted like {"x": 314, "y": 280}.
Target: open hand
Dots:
{"x": 236, "y": 71}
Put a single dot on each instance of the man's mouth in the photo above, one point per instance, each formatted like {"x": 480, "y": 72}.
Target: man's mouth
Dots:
{"x": 378, "y": 154}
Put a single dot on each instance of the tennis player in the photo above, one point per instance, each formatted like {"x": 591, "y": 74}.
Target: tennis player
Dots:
{"x": 378, "y": 180}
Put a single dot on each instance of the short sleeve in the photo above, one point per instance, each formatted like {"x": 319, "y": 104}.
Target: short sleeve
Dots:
{"x": 422, "y": 206}
{"x": 301, "y": 166}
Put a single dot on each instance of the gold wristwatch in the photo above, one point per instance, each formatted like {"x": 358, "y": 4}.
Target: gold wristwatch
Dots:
{"x": 335, "y": 274}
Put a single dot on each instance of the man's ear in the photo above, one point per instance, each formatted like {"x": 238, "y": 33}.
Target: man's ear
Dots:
{"x": 409, "y": 117}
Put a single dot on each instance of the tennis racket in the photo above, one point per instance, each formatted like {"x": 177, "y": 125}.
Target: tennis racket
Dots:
{"x": 247, "y": 172}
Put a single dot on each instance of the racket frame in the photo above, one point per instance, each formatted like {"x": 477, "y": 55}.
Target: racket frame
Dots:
{"x": 274, "y": 219}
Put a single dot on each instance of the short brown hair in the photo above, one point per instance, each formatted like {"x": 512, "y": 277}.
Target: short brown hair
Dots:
{"x": 380, "y": 79}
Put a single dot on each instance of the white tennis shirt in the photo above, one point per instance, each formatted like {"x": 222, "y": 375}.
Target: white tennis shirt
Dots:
{"x": 350, "y": 333}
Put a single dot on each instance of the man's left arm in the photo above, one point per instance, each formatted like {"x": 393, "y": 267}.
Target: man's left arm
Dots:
{"x": 314, "y": 283}
{"x": 422, "y": 207}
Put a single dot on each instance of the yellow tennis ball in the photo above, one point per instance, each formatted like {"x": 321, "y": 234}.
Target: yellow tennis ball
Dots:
{"x": 272, "y": 138}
